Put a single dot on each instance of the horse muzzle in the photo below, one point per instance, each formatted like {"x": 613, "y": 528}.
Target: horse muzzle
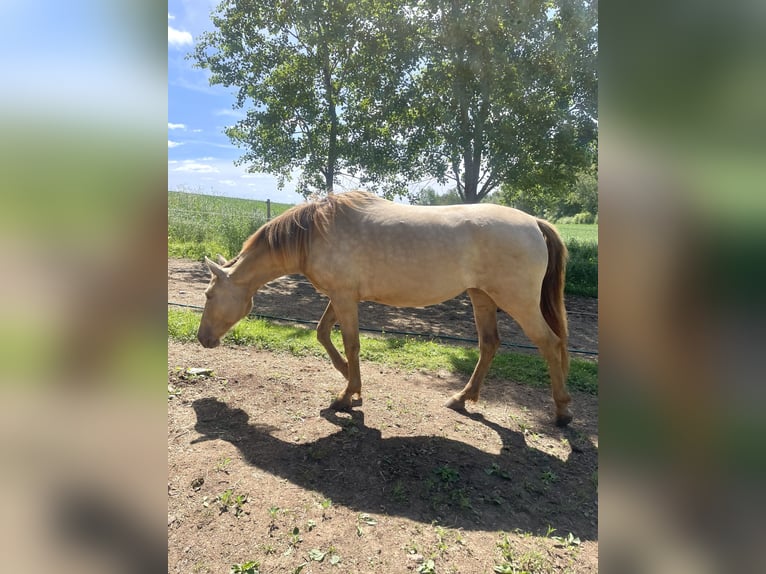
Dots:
{"x": 208, "y": 342}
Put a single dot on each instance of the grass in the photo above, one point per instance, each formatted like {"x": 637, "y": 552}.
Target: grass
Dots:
{"x": 581, "y": 232}
{"x": 404, "y": 352}
{"x": 582, "y": 268}
{"x": 200, "y": 225}
{"x": 205, "y": 225}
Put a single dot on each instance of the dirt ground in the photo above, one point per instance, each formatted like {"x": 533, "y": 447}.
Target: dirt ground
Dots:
{"x": 260, "y": 470}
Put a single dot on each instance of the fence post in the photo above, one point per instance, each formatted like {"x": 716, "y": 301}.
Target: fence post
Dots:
{"x": 268, "y": 210}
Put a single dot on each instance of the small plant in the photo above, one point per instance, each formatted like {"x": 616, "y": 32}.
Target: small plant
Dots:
{"x": 246, "y": 568}
{"x": 295, "y": 537}
{"x": 227, "y": 500}
{"x": 427, "y": 567}
{"x": 549, "y": 477}
{"x": 326, "y": 503}
{"x": 273, "y": 512}
{"x": 495, "y": 470}
{"x": 447, "y": 474}
{"x": 528, "y": 563}
{"x": 399, "y": 492}
{"x": 317, "y": 555}
{"x": 221, "y": 465}
{"x": 569, "y": 540}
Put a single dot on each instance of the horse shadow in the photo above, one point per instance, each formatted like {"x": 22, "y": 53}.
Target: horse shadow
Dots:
{"x": 424, "y": 478}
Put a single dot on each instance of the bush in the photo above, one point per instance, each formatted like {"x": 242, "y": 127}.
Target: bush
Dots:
{"x": 582, "y": 268}
{"x": 584, "y": 217}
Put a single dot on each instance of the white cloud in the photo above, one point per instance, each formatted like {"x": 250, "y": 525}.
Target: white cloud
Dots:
{"x": 229, "y": 182}
{"x": 171, "y": 17}
{"x": 176, "y": 126}
{"x": 174, "y": 144}
{"x": 196, "y": 167}
{"x": 178, "y": 38}
{"x": 229, "y": 113}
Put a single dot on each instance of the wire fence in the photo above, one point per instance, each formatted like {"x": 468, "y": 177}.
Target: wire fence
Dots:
{"x": 427, "y": 336}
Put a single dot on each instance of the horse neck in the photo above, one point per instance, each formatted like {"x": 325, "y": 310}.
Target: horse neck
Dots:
{"x": 257, "y": 266}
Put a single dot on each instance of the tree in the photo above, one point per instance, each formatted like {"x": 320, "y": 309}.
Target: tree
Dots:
{"x": 554, "y": 203}
{"x": 301, "y": 68}
{"x": 388, "y": 91}
{"x": 506, "y": 93}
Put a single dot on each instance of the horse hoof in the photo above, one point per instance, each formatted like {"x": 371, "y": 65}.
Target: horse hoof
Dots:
{"x": 455, "y": 405}
{"x": 563, "y": 420}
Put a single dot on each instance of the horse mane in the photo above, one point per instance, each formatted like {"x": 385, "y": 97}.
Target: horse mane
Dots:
{"x": 290, "y": 234}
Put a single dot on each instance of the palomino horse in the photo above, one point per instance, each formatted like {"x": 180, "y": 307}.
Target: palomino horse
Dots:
{"x": 358, "y": 247}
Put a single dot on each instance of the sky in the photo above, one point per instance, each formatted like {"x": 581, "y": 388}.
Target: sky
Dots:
{"x": 200, "y": 155}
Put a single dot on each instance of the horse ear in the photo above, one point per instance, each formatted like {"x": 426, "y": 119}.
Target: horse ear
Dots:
{"x": 220, "y": 258}
{"x": 216, "y": 269}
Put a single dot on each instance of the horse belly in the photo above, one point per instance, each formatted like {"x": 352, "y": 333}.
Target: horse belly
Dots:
{"x": 412, "y": 285}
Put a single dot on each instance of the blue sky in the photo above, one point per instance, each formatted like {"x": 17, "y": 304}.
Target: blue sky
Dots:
{"x": 200, "y": 156}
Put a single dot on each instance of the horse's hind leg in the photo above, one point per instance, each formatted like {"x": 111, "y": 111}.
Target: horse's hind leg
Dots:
{"x": 485, "y": 315}
{"x": 553, "y": 349}
{"x": 324, "y": 328}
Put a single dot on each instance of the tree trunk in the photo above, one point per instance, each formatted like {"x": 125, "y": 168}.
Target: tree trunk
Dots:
{"x": 332, "y": 144}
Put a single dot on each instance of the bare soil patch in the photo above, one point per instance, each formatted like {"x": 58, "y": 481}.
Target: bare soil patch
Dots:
{"x": 399, "y": 481}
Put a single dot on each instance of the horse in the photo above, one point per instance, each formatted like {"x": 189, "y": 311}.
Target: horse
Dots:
{"x": 356, "y": 246}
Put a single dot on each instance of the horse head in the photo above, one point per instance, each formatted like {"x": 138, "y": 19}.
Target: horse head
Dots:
{"x": 227, "y": 302}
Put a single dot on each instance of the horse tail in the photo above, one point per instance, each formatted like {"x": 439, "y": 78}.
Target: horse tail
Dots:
{"x": 552, "y": 293}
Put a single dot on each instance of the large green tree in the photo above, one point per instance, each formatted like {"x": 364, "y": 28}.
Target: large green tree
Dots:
{"x": 473, "y": 94}
{"x": 507, "y": 92}
{"x": 300, "y": 69}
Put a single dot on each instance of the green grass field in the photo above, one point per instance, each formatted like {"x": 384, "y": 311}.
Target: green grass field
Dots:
{"x": 582, "y": 232}
{"x": 205, "y": 225}
{"x": 200, "y": 225}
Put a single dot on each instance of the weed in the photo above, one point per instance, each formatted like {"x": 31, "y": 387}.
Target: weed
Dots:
{"x": 569, "y": 540}
{"x": 529, "y": 562}
{"x": 441, "y": 539}
{"x": 399, "y": 492}
{"x": 447, "y": 474}
{"x": 251, "y": 567}
{"x": 221, "y": 465}
{"x": 326, "y": 503}
{"x": 427, "y": 567}
{"x": 295, "y": 537}
{"x": 495, "y": 470}
{"x": 227, "y": 500}
{"x": 549, "y": 477}
{"x": 317, "y": 555}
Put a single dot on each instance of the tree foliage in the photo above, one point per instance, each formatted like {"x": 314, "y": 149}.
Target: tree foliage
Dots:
{"x": 509, "y": 89}
{"x": 302, "y": 69}
{"x": 478, "y": 93}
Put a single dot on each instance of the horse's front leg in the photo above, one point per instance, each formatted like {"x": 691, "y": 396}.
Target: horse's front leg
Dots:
{"x": 347, "y": 313}
{"x": 324, "y": 328}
